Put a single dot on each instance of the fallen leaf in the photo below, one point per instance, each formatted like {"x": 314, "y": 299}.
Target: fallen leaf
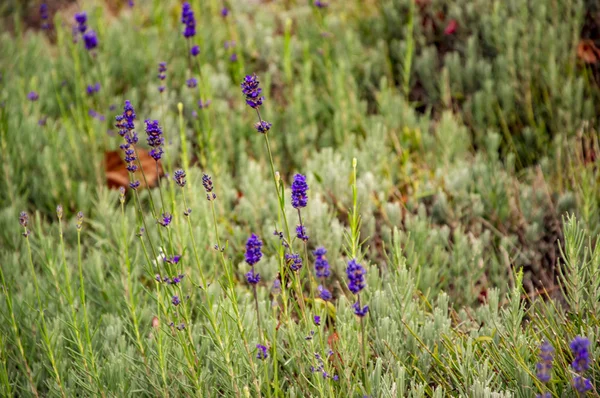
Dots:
{"x": 588, "y": 52}
{"x": 117, "y": 175}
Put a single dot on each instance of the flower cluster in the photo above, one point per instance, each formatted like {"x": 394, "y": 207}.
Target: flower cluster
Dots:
{"x": 93, "y": 88}
{"x": 179, "y": 177}
{"x": 356, "y": 276}
{"x": 33, "y": 96}
{"x": 125, "y": 123}
{"x": 252, "y": 91}
{"x": 195, "y": 50}
{"x": 89, "y": 36}
{"x": 176, "y": 300}
{"x": 169, "y": 281}
{"x": 79, "y": 220}
{"x": 253, "y": 256}
{"x": 44, "y": 16}
{"x": 299, "y": 188}
{"x": 322, "y": 268}
{"x": 208, "y": 187}
{"x": 129, "y": 157}
{"x": 204, "y": 105}
{"x": 192, "y": 82}
{"x": 301, "y": 232}
{"x": 581, "y": 363}
{"x": 155, "y": 139}
{"x": 162, "y": 74}
{"x": 165, "y": 219}
{"x": 321, "y": 4}
{"x": 544, "y": 366}
{"x": 187, "y": 18}
{"x": 263, "y": 126}
{"x": 294, "y": 261}
{"x": 24, "y": 221}
{"x": 262, "y": 352}
{"x": 320, "y": 368}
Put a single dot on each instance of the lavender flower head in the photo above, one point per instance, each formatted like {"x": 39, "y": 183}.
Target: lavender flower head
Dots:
{"x": 321, "y": 4}
{"x": 322, "y": 268}
{"x": 224, "y": 12}
{"x": 294, "y": 261}
{"x": 581, "y": 384}
{"x": 33, "y": 96}
{"x": 361, "y": 312}
{"x": 90, "y": 40}
{"x": 252, "y": 277}
{"x": 317, "y": 320}
{"x": 162, "y": 69}
{"x": 81, "y": 19}
{"x": 253, "y": 250}
{"x": 263, "y": 126}
{"x": 252, "y": 91}
{"x": 324, "y": 294}
{"x": 176, "y": 300}
{"x": 208, "y": 187}
{"x": 299, "y": 188}
{"x": 301, "y": 233}
{"x": 544, "y": 366}
{"x": 195, "y": 51}
{"x": 192, "y": 82}
{"x": 155, "y": 139}
{"x": 165, "y": 219}
{"x": 125, "y": 123}
{"x": 581, "y": 362}
{"x": 179, "y": 177}
{"x": 580, "y": 348}
{"x": 262, "y": 352}
{"x": 356, "y": 276}
{"x": 44, "y": 16}
{"x": 204, "y": 105}
{"x": 24, "y": 219}
{"x": 187, "y": 18}
{"x": 93, "y": 88}
{"x": 130, "y": 157}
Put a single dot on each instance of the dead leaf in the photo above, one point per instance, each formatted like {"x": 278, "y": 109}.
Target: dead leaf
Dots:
{"x": 588, "y": 52}
{"x": 117, "y": 175}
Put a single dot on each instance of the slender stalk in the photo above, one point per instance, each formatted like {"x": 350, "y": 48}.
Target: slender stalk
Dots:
{"x": 15, "y": 328}
{"x": 86, "y": 324}
{"x": 45, "y": 336}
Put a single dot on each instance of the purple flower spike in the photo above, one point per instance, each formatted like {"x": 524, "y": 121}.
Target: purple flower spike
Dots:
{"x": 155, "y": 139}
{"x": 317, "y": 320}
{"x": 263, "y": 126}
{"x": 187, "y": 18}
{"x": 253, "y": 250}
{"x": 324, "y": 294}
{"x": 195, "y": 51}
{"x": 299, "y": 188}
{"x": 179, "y": 177}
{"x": 165, "y": 219}
{"x": 580, "y": 348}
{"x": 90, "y": 39}
{"x": 176, "y": 300}
{"x": 301, "y": 233}
{"x": 252, "y": 92}
{"x": 33, "y": 96}
{"x": 81, "y": 19}
{"x": 321, "y": 4}
{"x": 262, "y": 352}
{"x": 356, "y": 276}
{"x": 322, "y": 268}
{"x": 294, "y": 261}
{"x": 361, "y": 312}
{"x": 544, "y": 366}
{"x": 581, "y": 384}
{"x": 252, "y": 277}
{"x": 192, "y": 82}
{"x": 224, "y": 12}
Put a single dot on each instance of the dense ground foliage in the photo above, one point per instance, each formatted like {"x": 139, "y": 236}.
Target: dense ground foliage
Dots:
{"x": 401, "y": 199}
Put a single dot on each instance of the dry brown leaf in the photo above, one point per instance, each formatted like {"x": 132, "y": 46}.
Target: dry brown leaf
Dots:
{"x": 588, "y": 52}
{"x": 118, "y": 176}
